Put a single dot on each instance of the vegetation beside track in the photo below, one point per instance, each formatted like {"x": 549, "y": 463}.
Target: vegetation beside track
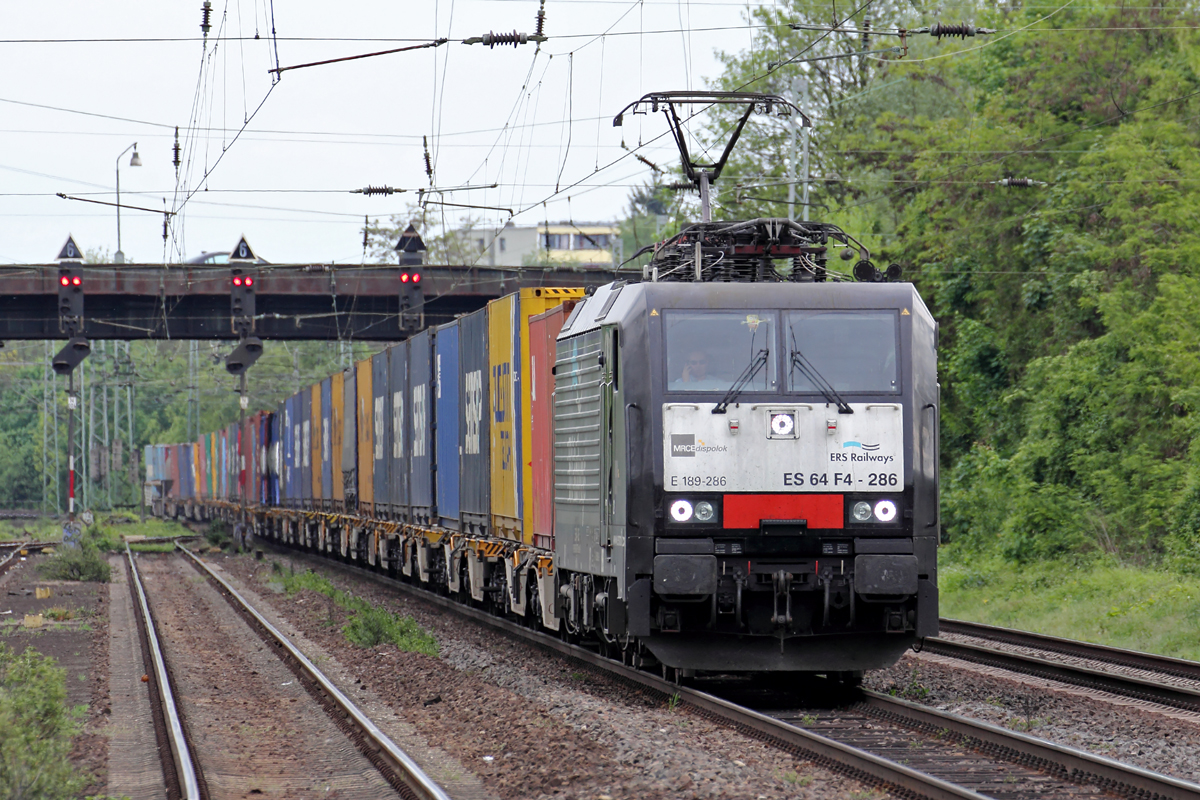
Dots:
{"x": 1100, "y": 600}
{"x": 38, "y": 727}
{"x": 370, "y": 625}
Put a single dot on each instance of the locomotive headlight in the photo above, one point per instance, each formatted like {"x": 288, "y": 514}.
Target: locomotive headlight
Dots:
{"x": 782, "y": 424}
{"x": 705, "y": 511}
{"x": 681, "y": 511}
{"x": 885, "y": 511}
{"x": 861, "y": 512}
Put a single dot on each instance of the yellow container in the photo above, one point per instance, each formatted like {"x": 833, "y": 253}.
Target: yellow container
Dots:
{"x": 42, "y": 592}
{"x": 366, "y": 437}
{"x": 511, "y": 433}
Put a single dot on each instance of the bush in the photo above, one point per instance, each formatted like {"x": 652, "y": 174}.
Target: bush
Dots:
{"x": 83, "y": 563}
{"x": 38, "y": 728}
{"x": 217, "y": 534}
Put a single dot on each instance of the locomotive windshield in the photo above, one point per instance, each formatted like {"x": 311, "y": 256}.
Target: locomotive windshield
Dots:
{"x": 707, "y": 351}
{"x": 854, "y": 351}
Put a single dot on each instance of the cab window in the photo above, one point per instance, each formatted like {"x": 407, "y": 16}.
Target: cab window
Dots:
{"x": 707, "y": 351}
{"x": 854, "y": 351}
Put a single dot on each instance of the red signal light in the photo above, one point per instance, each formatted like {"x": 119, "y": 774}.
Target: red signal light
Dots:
{"x": 404, "y": 277}
{"x": 77, "y": 280}
{"x": 64, "y": 280}
{"x": 249, "y": 281}
{"x": 416, "y": 277}
{"x": 237, "y": 281}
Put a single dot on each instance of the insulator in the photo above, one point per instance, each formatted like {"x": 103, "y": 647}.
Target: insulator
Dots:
{"x": 428, "y": 161}
{"x": 1019, "y": 183}
{"x": 206, "y": 17}
{"x": 682, "y": 187}
{"x": 959, "y": 31}
{"x": 491, "y": 39}
{"x": 377, "y": 190}
{"x": 176, "y": 161}
{"x": 540, "y": 30}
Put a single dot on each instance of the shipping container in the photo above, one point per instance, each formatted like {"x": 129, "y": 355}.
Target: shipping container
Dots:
{"x": 446, "y": 413}
{"x": 366, "y": 444}
{"x": 421, "y": 423}
{"x": 381, "y": 429}
{"x": 543, "y": 331}
{"x": 508, "y": 352}
{"x": 223, "y": 463}
{"x": 187, "y": 472}
{"x": 275, "y": 459}
{"x": 474, "y": 430}
{"x": 316, "y": 489}
{"x": 399, "y": 468}
{"x": 304, "y": 442}
{"x": 290, "y": 428}
{"x": 326, "y": 448}
{"x": 337, "y": 390}
{"x": 350, "y": 439}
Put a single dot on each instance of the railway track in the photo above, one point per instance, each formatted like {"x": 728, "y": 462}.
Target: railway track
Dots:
{"x": 1166, "y": 681}
{"x": 905, "y": 749}
{"x": 234, "y": 715}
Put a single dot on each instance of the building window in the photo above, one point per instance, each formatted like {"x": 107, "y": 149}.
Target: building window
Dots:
{"x": 556, "y": 241}
{"x": 591, "y": 241}
{"x": 503, "y": 244}
{"x": 482, "y": 245}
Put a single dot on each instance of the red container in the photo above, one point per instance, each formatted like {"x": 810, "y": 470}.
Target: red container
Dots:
{"x": 543, "y": 331}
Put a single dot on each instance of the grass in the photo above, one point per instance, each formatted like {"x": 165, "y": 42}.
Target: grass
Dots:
{"x": 1138, "y": 608}
{"x": 370, "y": 625}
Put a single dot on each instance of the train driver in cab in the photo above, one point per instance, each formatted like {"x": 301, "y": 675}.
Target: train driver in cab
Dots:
{"x": 695, "y": 375}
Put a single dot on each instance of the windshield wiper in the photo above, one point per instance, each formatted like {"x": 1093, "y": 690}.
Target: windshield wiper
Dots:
{"x": 800, "y": 362}
{"x": 752, "y": 369}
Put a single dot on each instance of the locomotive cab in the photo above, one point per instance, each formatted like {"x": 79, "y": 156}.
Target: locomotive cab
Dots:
{"x": 766, "y": 466}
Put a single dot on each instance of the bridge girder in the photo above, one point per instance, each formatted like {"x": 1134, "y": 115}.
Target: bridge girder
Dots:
{"x": 294, "y": 301}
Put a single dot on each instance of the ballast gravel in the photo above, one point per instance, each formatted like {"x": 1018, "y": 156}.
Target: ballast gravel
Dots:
{"x": 532, "y": 725}
{"x": 1131, "y": 731}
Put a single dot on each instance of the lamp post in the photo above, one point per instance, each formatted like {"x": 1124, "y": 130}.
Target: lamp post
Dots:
{"x": 136, "y": 161}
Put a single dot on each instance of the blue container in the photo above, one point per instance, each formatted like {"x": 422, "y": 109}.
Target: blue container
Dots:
{"x": 291, "y": 466}
{"x": 274, "y": 459}
{"x": 474, "y": 430}
{"x": 421, "y": 430}
{"x": 187, "y": 472}
{"x": 304, "y": 442}
{"x": 446, "y": 412}
{"x": 398, "y": 445}
{"x": 381, "y": 434}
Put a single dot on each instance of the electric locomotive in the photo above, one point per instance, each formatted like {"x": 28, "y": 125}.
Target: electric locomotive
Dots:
{"x": 746, "y": 472}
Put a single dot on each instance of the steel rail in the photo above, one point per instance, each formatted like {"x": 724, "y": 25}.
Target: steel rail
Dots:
{"x": 1075, "y": 764}
{"x": 181, "y": 754}
{"x": 1179, "y": 667}
{"x": 415, "y": 778}
{"x": 1123, "y": 685}
{"x": 1067, "y": 763}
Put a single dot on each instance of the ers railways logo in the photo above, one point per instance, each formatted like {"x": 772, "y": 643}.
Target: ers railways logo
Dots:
{"x": 684, "y": 445}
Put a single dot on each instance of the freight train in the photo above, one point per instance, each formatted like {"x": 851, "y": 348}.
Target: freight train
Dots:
{"x": 728, "y": 466}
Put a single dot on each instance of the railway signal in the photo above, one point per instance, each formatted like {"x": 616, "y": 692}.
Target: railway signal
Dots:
{"x": 244, "y": 355}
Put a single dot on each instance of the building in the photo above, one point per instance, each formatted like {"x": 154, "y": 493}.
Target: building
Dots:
{"x": 579, "y": 244}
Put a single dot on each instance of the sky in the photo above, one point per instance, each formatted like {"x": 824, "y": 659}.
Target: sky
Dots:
{"x": 275, "y": 160}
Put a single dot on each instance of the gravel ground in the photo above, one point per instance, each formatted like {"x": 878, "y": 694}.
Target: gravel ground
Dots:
{"x": 1131, "y": 731}
{"x": 531, "y": 725}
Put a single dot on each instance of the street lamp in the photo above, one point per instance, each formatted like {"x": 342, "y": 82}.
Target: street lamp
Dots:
{"x": 136, "y": 161}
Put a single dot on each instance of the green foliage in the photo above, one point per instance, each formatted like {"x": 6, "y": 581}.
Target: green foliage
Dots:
{"x": 38, "y": 727}
{"x": 1070, "y": 347}
{"x": 371, "y": 625}
{"x": 1099, "y": 600}
{"x": 87, "y": 562}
